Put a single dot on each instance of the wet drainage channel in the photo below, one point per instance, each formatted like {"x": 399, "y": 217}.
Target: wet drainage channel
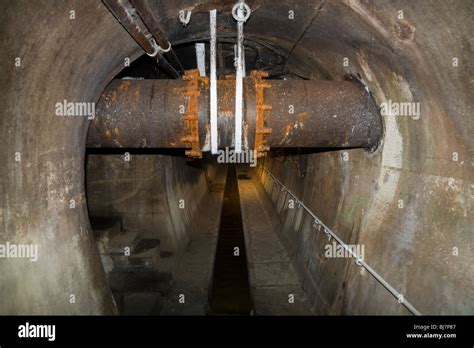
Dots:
{"x": 230, "y": 291}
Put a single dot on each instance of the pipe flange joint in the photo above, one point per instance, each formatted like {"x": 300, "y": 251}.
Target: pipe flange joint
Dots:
{"x": 261, "y": 130}
{"x": 191, "y": 117}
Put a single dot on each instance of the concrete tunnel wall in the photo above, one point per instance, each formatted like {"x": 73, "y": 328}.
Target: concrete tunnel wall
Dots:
{"x": 60, "y": 59}
{"x": 401, "y": 60}
{"x": 145, "y": 195}
{"x": 412, "y": 248}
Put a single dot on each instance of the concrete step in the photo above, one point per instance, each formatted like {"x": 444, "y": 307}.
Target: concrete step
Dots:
{"x": 275, "y": 286}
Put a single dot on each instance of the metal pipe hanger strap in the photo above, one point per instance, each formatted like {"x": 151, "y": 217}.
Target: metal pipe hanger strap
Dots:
{"x": 142, "y": 26}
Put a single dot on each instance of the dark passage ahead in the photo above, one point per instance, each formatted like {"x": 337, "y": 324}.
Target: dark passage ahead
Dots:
{"x": 230, "y": 292}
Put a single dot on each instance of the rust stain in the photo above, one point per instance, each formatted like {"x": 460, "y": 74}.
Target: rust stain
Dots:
{"x": 191, "y": 116}
{"x": 123, "y": 87}
{"x": 261, "y": 130}
{"x": 297, "y": 123}
{"x": 116, "y": 132}
{"x": 404, "y": 30}
{"x": 301, "y": 116}
{"x": 287, "y": 133}
{"x": 226, "y": 90}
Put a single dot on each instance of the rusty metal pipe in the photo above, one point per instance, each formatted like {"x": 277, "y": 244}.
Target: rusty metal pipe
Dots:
{"x": 124, "y": 16}
{"x": 148, "y": 113}
{"x": 323, "y": 113}
{"x": 150, "y": 21}
{"x": 124, "y": 12}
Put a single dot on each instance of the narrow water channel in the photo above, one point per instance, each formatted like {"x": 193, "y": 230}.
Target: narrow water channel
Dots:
{"x": 230, "y": 292}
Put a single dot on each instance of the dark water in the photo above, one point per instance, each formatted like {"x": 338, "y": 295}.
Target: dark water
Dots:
{"x": 230, "y": 292}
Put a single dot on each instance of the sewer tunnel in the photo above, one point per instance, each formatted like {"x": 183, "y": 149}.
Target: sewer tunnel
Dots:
{"x": 358, "y": 115}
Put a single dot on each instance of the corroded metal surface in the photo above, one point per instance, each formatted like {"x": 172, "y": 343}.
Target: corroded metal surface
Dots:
{"x": 145, "y": 113}
{"x": 407, "y": 59}
{"x": 131, "y": 23}
{"x": 148, "y": 17}
{"x": 261, "y": 108}
{"x": 134, "y": 24}
{"x": 139, "y": 114}
{"x": 191, "y": 117}
{"x": 322, "y": 114}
